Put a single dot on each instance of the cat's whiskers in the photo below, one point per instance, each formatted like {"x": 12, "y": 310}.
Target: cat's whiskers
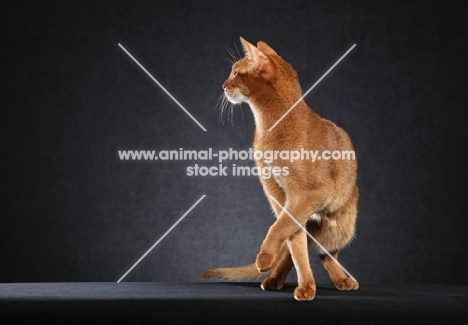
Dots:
{"x": 242, "y": 112}
{"x": 223, "y": 103}
{"x": 238, "y": 53}
{"x": 225, "y": 106}
{"x": 232, "y": 54}
{"x": 228, "y": 60}
{"x": 220, "y": 103}
{"x": 232, "y": 115}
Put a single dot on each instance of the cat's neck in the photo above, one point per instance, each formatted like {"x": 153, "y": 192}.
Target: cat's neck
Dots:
{"x": 273, "y": 114}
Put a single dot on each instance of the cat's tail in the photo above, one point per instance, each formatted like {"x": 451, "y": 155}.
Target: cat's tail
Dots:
{"x": 247, "y": 272}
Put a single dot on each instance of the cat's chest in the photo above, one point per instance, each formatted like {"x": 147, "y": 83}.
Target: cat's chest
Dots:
{"x": 271, "y": 169}
{"x": 280, "y": 180}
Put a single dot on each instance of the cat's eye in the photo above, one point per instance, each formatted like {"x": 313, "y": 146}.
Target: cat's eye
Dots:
{"x": 234, "y": 73}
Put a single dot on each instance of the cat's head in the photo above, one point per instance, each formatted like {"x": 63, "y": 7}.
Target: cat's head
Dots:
{"x": 261, "y": 73}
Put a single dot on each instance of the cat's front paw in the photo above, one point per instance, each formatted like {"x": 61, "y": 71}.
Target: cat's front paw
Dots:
{"x": 305, "y": 293}
{"x": 346, "y": 284}
{"x": 271, "y": 284}
{"x": 264, "y": 261}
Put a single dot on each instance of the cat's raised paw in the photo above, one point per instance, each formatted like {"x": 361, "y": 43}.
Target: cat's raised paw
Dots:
{"x": 346, "y": 284}
{"x": 264, "y": 262}
{"x": 272, "y": 284}
{"x": 305, "y": 293}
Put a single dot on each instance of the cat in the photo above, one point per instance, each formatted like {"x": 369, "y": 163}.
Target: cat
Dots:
{"x": 322, "y": 195}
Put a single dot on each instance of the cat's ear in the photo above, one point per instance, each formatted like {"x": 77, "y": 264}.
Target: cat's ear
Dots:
{"x": 265, "y": 48}
{"x": 259, "y": 60}
{"x": 252, "y": 53}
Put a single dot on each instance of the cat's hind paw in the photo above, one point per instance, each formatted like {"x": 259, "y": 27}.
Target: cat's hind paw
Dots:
{"x": 346, "y": 284}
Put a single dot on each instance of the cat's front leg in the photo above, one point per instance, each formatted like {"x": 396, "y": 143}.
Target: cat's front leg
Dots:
{"x": 278, "y": 276}
{"x": 275, "y": 238}
{"x": 273, "y": 192}
{"x": 281, "y": 230}
{"x": 297, "y": 245}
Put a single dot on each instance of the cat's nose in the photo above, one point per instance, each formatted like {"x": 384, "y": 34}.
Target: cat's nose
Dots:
{"x": 225, "y": 84}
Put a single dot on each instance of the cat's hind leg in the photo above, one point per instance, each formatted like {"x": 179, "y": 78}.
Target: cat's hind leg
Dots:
{"x": 337, "y": 275}
{"x": 334, "y": 233}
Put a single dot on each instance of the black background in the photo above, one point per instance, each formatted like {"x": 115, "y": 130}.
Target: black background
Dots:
{"x": 73, "y": 211}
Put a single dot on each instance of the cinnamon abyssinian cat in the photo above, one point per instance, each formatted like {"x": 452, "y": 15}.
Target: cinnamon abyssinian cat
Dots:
{"x": 321, "y": 195}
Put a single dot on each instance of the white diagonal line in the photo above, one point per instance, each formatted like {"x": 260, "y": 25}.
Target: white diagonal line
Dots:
{"x": 313, "y": 238}
{"x": 308, "y": 91}
{"x": 160, "y": 239}
{"x": 162, "y": 87}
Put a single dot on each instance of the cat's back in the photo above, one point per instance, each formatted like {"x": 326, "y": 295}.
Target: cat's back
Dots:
{"x": 333, "y": 136}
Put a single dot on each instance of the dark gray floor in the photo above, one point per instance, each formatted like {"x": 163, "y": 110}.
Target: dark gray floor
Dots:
{"x": 229, "y": 303}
